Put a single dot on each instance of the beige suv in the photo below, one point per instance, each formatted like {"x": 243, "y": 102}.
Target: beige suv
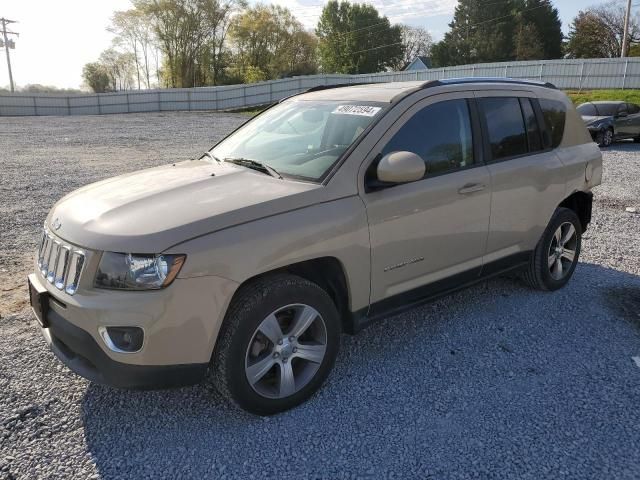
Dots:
{"x": 329, "y": 210}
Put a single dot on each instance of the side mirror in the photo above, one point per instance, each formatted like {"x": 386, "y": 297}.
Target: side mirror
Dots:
{"x": 401, "y": 167}
{"x": 622, "y": 115}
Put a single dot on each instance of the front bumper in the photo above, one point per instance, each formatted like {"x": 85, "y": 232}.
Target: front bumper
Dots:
{"x": 78, "y": 350}
{"x": 180, "y": 325}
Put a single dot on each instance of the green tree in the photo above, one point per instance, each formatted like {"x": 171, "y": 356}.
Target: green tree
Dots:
{"x": 528, "y": 44}
{"x": 598, "y": 32}
{"x": 269, "y": 39}
{"x": 547, "y": 27}
{"x": 354, "y": 38}
{"x": 96, "y": 77}
{"x": 478, "y": 34}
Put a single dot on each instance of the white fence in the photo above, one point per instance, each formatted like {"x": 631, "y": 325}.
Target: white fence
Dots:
{"x": 565, "y": 74}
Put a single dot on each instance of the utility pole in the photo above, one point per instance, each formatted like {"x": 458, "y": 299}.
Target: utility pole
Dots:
{"x": 8, "y": 45}
{"x": 625, "y": 38}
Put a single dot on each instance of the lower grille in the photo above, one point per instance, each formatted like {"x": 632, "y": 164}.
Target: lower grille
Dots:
{"x": 59, "y": 263}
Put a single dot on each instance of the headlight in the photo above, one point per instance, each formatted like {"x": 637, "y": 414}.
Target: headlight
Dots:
{"x": 126, "y": 271}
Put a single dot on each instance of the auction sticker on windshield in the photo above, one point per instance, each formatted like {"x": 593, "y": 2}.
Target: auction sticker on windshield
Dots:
{"x": 362, "y": 110}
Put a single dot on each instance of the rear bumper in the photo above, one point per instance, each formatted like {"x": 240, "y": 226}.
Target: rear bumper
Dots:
{"x": 78, "y": 350}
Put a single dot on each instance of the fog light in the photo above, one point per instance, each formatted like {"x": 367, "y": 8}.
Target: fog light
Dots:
{"x": 123, "y": 339}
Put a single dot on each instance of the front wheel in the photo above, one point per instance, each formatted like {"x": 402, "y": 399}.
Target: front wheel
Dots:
{"x": 555, "y": 257}
{"x": 604, "y": 138}
{"x": 277, "y": 345}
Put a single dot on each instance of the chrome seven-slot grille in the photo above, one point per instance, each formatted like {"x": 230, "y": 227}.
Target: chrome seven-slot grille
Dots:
{"x": 59, "y": 263}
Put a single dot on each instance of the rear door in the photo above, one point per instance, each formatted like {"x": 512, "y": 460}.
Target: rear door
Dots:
{"x": 524, "y": 170}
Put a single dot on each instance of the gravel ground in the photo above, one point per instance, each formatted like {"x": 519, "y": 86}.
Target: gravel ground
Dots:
{"x": 498, "y": 381}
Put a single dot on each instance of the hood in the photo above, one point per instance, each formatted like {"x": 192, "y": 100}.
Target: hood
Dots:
{"x": 589, "y": 119}
{"x": 151, "y": 210}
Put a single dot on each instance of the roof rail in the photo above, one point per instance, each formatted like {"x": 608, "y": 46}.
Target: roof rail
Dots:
{"x": 319, "y": 88}
{"x": 463, "y": 80}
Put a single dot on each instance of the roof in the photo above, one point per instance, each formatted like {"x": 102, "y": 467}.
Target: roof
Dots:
{"x": 608, "y": 102}
{"x": 425, "y": 61}
{"x": 387, "y": 92}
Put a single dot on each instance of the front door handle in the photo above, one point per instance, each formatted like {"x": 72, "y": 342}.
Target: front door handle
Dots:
{"x": 472, "y": 188}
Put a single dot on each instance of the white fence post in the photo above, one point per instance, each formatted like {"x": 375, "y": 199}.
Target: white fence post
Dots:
{"x": 506, "y": 71}
{"x": 541, "y": 71}
{"x": 624, "y": 78}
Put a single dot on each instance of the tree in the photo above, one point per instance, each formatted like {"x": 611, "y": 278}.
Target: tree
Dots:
{"x": 416, "y": 42}
{"x": 353, "y": 38}
{"x": 96, "y": 77}
{"x": 598, "y": 32}
{"x": 478, "y": 34}
{"x": 547, "y": 27}
{"x": 133, "y": 30}
{"x": 271, "y": 40}
{"x": 508, "y": 30}
{"x": 119, "y": 67}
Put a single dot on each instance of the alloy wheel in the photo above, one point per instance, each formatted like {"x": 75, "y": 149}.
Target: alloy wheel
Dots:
{"x": 286, "y": 351}
{"x": 562, "y": 251}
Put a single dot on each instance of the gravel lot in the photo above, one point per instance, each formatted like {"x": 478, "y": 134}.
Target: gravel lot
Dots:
{"x": 498, "y": 381}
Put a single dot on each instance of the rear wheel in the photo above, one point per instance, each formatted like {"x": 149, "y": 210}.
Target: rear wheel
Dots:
{"x": 556, "y": 255}
{"x": 277, "y": 345}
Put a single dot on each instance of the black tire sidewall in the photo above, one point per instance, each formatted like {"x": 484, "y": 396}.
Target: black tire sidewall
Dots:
{"x": 562, "y": 216}
{"x": 274, "y": 297}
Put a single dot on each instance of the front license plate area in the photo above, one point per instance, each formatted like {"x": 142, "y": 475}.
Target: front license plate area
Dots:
{"x": 39, "y": 298}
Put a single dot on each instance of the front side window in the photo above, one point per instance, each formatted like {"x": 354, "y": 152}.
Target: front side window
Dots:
{"x": 633, "y": 108}
{"x": 298, "y": 138}
{"x": 440, "y": 134}
{"x": 555, "y": 116}
{"x": 505, "y": 125}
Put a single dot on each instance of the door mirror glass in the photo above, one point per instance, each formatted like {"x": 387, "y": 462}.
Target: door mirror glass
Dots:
{"x": 401, "y": 167}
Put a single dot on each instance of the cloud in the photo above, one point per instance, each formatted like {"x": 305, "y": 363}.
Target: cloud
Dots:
{"x": 398, "y": 11}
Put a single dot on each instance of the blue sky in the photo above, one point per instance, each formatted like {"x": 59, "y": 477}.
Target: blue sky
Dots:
{"x": 58, "y": 38}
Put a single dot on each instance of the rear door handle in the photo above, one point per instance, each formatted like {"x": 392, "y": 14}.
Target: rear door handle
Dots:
{"x": 472, "y": 188}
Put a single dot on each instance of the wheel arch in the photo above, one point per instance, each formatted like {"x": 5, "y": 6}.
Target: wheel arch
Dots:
{"x": 326, "y": 272}
{"x": 581, "y": 203}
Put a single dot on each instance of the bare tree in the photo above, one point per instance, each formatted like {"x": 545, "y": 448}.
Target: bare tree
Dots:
{"x": 611, "y": 17}
{"x": 417, "y": 41}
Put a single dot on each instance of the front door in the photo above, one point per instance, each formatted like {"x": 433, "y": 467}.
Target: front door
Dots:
{"x": 434, "y": 229}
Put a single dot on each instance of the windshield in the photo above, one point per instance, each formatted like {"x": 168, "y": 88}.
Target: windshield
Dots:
{"x": 587, "y": 110}
{"x": 300, "y": 139}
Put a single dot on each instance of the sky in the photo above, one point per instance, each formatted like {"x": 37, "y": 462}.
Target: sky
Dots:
{"x": 58, "y": 38}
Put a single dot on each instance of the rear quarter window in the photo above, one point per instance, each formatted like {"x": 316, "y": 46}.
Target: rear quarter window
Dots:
{"x": 555, "y": 117}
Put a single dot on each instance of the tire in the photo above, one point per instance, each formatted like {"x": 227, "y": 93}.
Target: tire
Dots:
{"x": 250, "y": 345}
{"x": 605, "y": 138}
{"x": 541, "y": 273}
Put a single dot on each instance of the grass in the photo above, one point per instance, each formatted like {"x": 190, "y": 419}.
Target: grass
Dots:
{"x": 631, "y": 96}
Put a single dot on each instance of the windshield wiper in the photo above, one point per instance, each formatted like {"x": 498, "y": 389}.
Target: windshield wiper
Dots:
{"x": 211, "y": 156}
{"x": 255, "y": 165}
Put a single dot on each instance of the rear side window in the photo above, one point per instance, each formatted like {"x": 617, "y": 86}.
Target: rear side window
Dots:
{"x": 440, "y": 134}
{"x": 633, "y": 108}
{"x": 505, "y": 125}
{"x": 531, "y": 122}
{"x": 555, "y": 116}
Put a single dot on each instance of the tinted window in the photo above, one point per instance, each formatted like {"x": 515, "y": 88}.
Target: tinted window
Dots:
{"x": 440, "y": 134}
{"x": 622, "y": 108}
{"x": 607, "y": 109}
{"x": 633, "y": 108}
{"x": 507, "y": 135}
{"x": 531, "y": 122}
{"x": 587, "y": 110}
{"x": 555, "y": 115}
